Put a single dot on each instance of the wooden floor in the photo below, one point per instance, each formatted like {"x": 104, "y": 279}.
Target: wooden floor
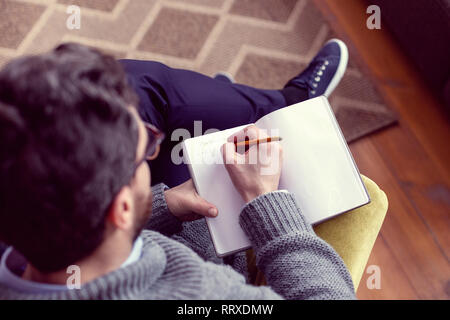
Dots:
{"x": 410, "y": 162}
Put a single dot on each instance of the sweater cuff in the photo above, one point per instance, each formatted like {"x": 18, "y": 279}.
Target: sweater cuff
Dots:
{"x": 162, "y": 220}
{"x": 272, "y": 215}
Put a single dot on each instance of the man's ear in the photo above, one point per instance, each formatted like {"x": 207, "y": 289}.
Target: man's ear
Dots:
{"x": 120, "y": 213}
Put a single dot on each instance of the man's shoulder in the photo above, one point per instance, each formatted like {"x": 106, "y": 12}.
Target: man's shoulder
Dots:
{"x": 170, "y": 246}
{"x": 178, "y": 253}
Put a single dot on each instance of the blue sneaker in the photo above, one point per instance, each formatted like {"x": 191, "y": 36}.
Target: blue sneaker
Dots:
{"x": 224, "y": 76}
{"x": 325, "y": 71}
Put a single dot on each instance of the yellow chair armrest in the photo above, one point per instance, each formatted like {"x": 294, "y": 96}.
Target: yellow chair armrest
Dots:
{"x": 353, "y": 233}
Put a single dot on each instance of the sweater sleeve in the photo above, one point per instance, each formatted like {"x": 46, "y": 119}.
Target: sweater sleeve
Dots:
{"x": 162, "y": 220}
{"x": 296, "y": 262}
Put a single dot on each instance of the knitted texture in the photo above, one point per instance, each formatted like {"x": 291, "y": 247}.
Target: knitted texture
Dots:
{"x": 297, "y": 264}
{"x": 165, "y": 223}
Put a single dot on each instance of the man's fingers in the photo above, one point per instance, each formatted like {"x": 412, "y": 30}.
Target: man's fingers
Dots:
{"x": 229, "y": 153}
{"x": 248, "y": 133}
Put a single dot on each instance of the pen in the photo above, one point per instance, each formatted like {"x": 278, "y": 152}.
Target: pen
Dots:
{"x": 249, "y": 143}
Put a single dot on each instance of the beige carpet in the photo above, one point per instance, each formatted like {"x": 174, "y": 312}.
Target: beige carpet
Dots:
{"x": 261, "y": 42}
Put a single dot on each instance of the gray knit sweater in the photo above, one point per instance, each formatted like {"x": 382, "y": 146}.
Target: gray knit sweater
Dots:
{"x": 178, "y": 260}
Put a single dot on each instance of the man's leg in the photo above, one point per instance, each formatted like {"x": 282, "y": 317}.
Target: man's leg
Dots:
{"x": 173, "y": 98}
{"x": 182, "y": 97}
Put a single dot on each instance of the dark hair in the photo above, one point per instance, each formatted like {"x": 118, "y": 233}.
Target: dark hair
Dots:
{"x": 68, "y": 145}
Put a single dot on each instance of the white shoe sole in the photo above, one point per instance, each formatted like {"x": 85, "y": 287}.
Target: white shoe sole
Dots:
{"x": 340, "y": 71}
{"x": 226, "y": 75}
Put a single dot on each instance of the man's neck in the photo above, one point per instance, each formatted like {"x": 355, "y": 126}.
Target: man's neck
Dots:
{"x": 109, "y": 256}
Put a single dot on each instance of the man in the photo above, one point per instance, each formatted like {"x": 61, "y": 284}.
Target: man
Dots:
{"x": 75, "y": 184}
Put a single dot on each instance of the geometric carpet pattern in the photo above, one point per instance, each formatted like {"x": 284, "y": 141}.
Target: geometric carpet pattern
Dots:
{"x": 262, "y": 43}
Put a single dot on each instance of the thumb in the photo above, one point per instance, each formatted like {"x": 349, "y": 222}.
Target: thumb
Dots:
{"x": 204, "y": 208}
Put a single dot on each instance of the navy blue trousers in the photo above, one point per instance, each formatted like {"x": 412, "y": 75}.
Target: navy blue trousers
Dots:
{"x": 172, "y": 99}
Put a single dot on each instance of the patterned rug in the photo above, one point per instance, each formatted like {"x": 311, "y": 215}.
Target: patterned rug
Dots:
{"x": 262, "y": 43}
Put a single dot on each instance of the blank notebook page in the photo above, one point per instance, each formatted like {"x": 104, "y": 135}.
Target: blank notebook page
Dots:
{"x": 317, "y": 165}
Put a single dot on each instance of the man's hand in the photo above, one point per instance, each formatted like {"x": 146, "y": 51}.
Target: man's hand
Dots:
{"x": 257, "y": 170}
{"x": 185, "y": 203}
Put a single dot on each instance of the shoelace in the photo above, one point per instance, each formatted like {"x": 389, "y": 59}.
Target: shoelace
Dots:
{"x": 315, "y": 78}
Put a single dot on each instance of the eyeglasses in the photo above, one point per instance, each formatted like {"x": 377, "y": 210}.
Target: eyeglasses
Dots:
{"x": 155, "y": 137}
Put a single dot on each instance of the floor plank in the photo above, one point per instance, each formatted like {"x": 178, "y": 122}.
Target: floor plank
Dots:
{"x": 420, "y": 180}
{"x": 394, "y": 281}
{"x": 403, "y": 230}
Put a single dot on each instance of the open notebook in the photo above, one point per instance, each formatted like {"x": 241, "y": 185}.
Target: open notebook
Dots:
{"x": 317, "y": 167}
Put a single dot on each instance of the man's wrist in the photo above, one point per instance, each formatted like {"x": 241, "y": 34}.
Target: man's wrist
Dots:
{"x": 272, "y": 215}
{"x": 249, "y": 196}
{"x": 170, "y": 206}
{"x": 162, "y": 219}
